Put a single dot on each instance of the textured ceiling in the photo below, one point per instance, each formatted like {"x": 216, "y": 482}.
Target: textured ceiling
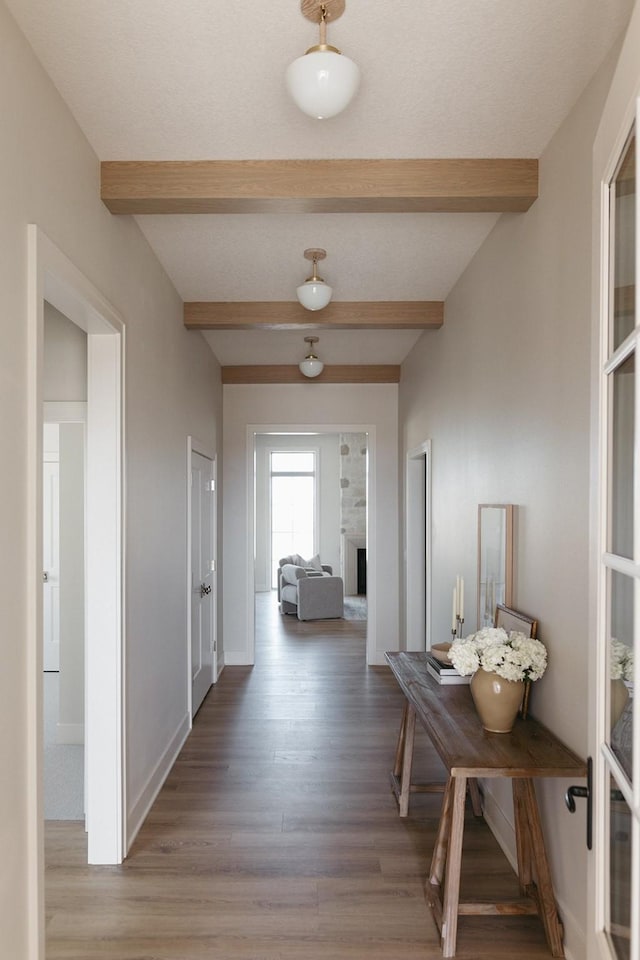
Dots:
{"x": 203, "y": 79}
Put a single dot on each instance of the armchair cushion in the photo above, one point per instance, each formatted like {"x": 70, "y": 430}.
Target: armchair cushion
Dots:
{"x": 309, "y": 566}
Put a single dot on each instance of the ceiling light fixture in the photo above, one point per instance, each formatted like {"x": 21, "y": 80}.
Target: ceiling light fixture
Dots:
{"x": 323, "y": 81}
{"x": 314, "y": 293}
{"x": 311, "y": 366}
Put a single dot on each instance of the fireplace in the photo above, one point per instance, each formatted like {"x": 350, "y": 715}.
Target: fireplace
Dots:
{"x": 354, "y": 564}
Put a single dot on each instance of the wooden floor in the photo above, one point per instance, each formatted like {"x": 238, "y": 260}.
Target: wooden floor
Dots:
{"x": 276, "y": 836}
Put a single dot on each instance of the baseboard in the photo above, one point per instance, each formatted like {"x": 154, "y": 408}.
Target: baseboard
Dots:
{"x": 504, "y": 832}
{"x": 377, "y": 660}
{"x": 70, "y": 733}
{"x": 233, "y": 658}
{"x": 141, "y": 807}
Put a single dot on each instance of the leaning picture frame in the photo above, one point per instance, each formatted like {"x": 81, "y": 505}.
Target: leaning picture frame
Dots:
{"x": 510, "y": 619}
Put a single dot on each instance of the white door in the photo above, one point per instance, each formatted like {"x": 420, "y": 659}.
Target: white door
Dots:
{"x": 51, "y": 549}
{"x": 614, "y": 742}
{"x": 202, "y": 599}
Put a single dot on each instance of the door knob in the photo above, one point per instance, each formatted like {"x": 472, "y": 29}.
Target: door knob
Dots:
{"x": 204, "y": 590}
{"x": 45, "y": 576}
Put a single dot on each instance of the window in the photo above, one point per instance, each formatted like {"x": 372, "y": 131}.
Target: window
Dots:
{"x": 293, "y": 505}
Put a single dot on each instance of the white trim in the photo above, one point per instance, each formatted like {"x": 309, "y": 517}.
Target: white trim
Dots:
{"x": 417, "y": 555}
{"x": 374, "y": 656}
{"x": 64, "y": 411}
{"x": 53, "y": 277}
{"x": 618, "y": 116}
{"x": 141, "y": 807}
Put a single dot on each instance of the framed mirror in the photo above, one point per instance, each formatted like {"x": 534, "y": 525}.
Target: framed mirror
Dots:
{"x": 495, "y": 560}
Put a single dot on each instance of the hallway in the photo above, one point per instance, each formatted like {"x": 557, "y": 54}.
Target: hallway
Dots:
{"x": 276, "y": 836}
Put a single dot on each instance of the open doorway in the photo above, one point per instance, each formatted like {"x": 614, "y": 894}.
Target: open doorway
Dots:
{"x": 418, "y": 548}
{"x": 311, "y": 501}
{"x": 53, "y": 279}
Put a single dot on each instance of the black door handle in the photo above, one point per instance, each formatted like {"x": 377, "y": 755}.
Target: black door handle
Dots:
{"x": 587, "y": 793}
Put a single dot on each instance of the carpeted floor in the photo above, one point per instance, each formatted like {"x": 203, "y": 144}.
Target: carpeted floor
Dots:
{"x": 63, "y": 763}
{"x": 355, "y": 608}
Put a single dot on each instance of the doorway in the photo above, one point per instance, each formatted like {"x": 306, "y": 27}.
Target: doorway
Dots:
{"x": 53, "y": 278}
{"x": 63, "y": 597}
{"x": 202, "y": 653}
{"x": 260, "y": 440}
{"x": 418, "y": 548}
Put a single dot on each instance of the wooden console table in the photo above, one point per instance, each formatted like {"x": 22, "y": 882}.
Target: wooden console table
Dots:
{"x": 448, "y": 716}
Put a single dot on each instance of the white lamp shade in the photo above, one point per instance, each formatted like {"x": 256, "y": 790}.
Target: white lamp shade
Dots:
{"x": 314, "y": 294}
{"x": 311, "y": 367}
{"x": 322, "y": 83}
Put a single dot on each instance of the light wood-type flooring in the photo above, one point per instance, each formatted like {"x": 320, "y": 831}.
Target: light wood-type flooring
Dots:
{"x": 276, "y": 836}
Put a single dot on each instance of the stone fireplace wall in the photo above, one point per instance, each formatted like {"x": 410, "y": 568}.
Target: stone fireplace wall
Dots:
{"x": 353, "y": 503}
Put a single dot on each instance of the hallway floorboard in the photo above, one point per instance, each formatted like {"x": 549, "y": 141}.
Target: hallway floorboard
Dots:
{"x": 276, "y": 836}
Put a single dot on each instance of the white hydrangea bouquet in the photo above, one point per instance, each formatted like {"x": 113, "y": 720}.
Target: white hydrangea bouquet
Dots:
{"x": 621, "y": 661}
{"x": 513, "y": 655}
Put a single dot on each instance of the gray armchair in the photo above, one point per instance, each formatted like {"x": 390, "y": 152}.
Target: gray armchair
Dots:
{"x": 310, "y": 594}
{"x": 310, "y": 566}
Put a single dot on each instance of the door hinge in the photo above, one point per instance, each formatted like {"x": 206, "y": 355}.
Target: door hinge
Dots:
{"x": 211, "y": 486}
{"x": 212, "y": 566}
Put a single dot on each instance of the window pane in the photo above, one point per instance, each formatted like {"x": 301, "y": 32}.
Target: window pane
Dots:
{"x": 293, "y": 462}
{"x": 620, "y": 874}
{"x": 621, "y": 606}
{"x": 292, "y": 519}
{"x": 623, "y": 197}
{"x": 622, "y": 440}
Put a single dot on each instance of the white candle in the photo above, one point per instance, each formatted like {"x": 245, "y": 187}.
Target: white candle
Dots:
{"x": 455, "y": 609}
{"x": 462, "y": 598}
{"x": 458, "y": 595}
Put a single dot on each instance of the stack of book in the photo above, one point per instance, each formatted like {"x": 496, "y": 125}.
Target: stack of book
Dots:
{"x": 444, "y": 672}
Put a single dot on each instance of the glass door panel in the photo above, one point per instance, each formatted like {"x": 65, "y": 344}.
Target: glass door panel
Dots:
{"x": 623, "y": 234}
{"x": 621, "y": 665}
{"x": 620, "y": 834}
{"x": 622, "y": 458}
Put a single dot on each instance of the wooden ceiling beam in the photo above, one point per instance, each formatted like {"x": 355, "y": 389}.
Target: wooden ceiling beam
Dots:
{"x": 319, "y": 186}
{"x": 286, "y": 315}
{"x": 332, "y": 373}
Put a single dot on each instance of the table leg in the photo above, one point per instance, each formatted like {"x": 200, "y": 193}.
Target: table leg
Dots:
{"x": 397, "y": 766}
{"x": 534, "y": 850}
{"x": 454, "y": 864}
{"x": 407, "y": 761}
{"x": 523, "y": 846}
{"x": 439, "y": 858}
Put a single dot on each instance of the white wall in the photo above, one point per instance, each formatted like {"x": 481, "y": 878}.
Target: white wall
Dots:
{"x": 327, "y": 408}
{"x": 50, "y": 176}
{"x": 503, "y": 391}
{"x": 328, "y": 480}
{"x": 64, "y": 364}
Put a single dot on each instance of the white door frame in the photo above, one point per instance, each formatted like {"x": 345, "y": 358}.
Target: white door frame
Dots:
{"x": 370, "y": 430}
{"x": 52, "y": 277}
{"x": 621, "y": 110}
{"x": 417, "y": 560}
{"x": 196, "y": 446}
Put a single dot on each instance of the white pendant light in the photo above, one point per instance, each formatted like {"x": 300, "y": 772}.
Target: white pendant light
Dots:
{"x": 314, "y": 293}
{"x": 311, "y": 366}
{"x": 322, "y": 82}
